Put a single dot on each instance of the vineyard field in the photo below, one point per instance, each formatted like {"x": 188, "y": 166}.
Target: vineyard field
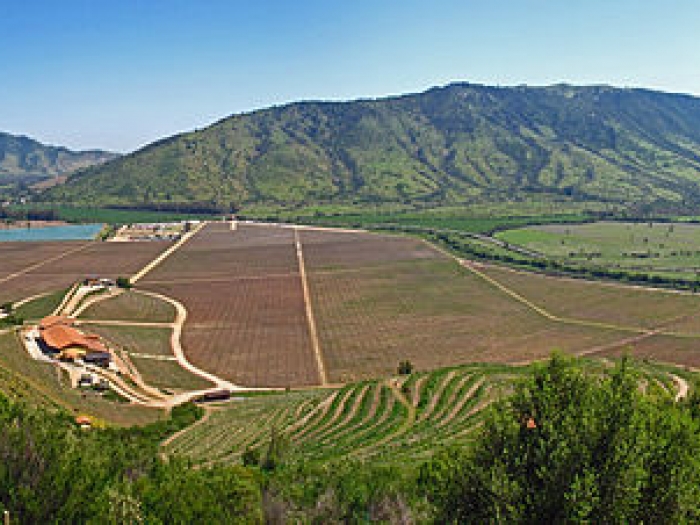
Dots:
{"x": 216, "y": 253}
{"x": 331, "y": 250}
{"x": 16, "y": 256}
{"x": 428, "y": 310}
{"x": 250, "y": 331}
{"x": 400, "y": 419}
{"x": 242, "y": 289}
{"x": 684, "y": 351}
{"x": 101, "y": 259}
{"x": 588, "y": 300}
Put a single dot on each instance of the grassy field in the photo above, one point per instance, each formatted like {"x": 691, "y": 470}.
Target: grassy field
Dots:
{"x": 402, "y": 419}
{"x": 669, "y": 249}
{"x": 132, "y": 306}
{"x": 135, "y": 339}
{"x": 41, "y": 306}
{"x": 168, "y": 375}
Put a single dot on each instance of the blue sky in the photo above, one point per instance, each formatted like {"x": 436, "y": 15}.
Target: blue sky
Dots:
{"x": 120, "y": 74}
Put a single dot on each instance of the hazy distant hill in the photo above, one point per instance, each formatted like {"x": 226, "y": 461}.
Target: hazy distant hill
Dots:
{"x": 25, "y": 159}
{"x": 450, "y": 144}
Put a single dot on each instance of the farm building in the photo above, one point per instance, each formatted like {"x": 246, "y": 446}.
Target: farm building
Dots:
{"x": 55, "y": 320}
{"x": 59, "y": 336}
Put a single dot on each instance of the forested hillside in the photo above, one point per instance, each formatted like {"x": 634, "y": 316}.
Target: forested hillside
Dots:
{"x": 24, "y": 159}
{"x": 455, "y": 144}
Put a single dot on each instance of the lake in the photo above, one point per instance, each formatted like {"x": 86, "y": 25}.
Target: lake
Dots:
{"x": 69, "y": 232}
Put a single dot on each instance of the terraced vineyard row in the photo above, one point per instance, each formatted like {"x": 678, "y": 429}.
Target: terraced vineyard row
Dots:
{"x": 397, "y": 419}
{"x": 368, "y": 419}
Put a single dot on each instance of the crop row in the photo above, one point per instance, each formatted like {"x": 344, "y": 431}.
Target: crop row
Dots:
{"x": 361, "y": 420}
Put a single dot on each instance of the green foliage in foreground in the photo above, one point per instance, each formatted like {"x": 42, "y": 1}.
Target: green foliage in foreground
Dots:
{"x": 570, "y": 448}
{"x": 54, "y": 472}
{"x": 575, "y": 443}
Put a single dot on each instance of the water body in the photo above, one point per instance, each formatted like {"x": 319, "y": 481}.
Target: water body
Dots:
{"x": 70, "y": 232}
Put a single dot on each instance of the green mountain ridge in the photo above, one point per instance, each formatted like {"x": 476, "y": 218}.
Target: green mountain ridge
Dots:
{"x": 25, "y": 159}
{"x": 455, "y": 144}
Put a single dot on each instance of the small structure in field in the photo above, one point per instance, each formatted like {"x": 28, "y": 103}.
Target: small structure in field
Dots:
{"x": 84, "y": 422}
{"x": 216, "y": 395}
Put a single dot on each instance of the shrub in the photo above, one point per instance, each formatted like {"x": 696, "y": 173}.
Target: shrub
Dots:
{"x": 124, "y": 282}
{"x": 251, "y": 457}
{"x": 405, "y": 368}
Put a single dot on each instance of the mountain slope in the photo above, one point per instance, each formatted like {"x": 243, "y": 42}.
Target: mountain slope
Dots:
{"x": 25, "y": 159}
{"x": 458, "y": 143}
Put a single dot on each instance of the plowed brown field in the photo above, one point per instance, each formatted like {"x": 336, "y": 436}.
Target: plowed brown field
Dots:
{"x": 96, "y": 258}
{"x": 242, "y": 289}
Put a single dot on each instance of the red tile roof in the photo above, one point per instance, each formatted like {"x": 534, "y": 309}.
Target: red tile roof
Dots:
{"x": 61, "y": 337}
{"x": 53, "y": 320}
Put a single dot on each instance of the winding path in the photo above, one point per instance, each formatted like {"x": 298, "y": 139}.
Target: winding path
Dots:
{"x": 175, "y": 341}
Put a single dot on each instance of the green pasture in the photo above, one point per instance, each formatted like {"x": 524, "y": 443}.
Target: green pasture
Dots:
{"x": 652, "y": 247}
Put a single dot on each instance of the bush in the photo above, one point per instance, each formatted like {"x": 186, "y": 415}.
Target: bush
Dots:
{"x": 405, "y": 368}
{"x": 251, "y": 457}
{"x": 11, "y": 320}
{"x": 124, "y": 282}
